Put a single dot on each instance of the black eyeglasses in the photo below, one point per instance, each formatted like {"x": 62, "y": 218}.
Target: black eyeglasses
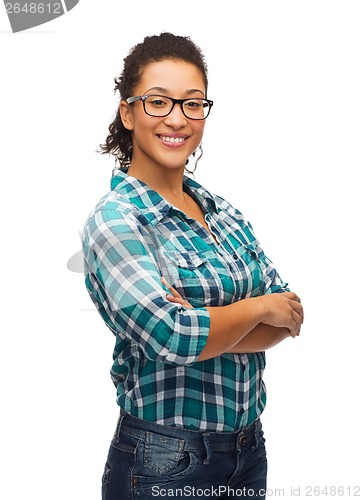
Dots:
{"x": 161, "y": 106}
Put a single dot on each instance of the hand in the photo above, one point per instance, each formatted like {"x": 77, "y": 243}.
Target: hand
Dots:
{"x": 175, "y": 297}
{"x": 283, "y": 310}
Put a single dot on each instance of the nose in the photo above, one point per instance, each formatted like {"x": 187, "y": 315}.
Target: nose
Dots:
{"x": 176, "y": 119}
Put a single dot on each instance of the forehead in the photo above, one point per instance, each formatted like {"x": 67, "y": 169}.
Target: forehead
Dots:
{"x": 173, "y": 75}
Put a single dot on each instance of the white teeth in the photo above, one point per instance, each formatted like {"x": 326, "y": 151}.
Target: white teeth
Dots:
{"x": 172, "y": 139}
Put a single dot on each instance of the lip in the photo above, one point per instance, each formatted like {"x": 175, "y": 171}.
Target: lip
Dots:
{"x": 174, "y": 141}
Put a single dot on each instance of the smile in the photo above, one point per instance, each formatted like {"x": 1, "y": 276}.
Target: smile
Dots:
{"x": 172, "y": 140}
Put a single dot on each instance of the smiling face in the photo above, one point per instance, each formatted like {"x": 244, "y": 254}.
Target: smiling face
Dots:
{"x": 164, "y": 142}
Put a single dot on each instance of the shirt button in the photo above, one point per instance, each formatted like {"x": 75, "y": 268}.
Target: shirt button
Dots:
{"x": 235, "y": 256}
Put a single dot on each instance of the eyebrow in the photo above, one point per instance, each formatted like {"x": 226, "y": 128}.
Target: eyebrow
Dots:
{"x": 165, "y": 91}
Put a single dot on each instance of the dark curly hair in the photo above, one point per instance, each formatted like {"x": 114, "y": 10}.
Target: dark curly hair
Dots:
{"x": 153, "y": 48}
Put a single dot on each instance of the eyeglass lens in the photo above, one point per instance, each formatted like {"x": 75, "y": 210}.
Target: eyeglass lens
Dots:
{"x": 194, "y": 108}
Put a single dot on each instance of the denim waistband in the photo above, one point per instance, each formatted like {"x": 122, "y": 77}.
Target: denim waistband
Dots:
{"x": 191, "y": 440}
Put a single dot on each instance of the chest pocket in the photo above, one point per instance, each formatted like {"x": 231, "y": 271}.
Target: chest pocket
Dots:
{"x": 196, "y": 276}
{"x": 249, "y": 271}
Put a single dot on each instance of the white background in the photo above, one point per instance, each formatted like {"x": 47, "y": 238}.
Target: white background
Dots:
{"x": 282, "y": 143}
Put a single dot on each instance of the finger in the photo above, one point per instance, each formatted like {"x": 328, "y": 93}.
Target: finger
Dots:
{"x": 292, "y": 333}
{"x": 296, "y": 332}
{"x": 177, "y": 300}
{"x": 171, "y": 288}
{"x": 297, "y": 307}
{"x": 297, "y": 320}
{"x": 292, "y": 296}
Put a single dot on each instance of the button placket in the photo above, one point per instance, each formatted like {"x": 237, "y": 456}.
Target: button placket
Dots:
{"x": 212, "y": 230}
{"x": 232, "y": 265}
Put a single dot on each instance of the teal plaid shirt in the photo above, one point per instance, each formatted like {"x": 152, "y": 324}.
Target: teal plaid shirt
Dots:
{"x": 132, "y": 237}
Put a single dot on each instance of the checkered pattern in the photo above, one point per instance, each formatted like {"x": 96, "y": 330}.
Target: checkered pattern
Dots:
{"x": 133, "y": 237}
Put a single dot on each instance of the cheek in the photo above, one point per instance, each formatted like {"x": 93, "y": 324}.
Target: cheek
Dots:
{"x": 141, "y": 123}
{"x": 199, "y": 130}
{"x": 142, "y": 131}
{"x": 145, "y": 126}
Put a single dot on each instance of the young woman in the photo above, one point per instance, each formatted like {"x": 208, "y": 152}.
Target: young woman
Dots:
{"x": 179, "y": 278}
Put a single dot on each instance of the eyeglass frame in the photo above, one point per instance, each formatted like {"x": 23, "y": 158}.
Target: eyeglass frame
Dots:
{"x": 143, "y": 98}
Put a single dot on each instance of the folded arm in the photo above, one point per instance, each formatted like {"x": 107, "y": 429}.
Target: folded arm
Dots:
{"x": 261, "y": 338}
{"x": 249, "y": 325}
{"x": 123, "y": 277}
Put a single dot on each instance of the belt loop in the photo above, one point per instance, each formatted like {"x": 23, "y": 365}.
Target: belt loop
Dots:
{"x": 205, "y": 436}
{"x": 122, "y": 414}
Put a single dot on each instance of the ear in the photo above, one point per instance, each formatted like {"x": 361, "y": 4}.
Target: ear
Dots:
{"x": 126, "y": 114}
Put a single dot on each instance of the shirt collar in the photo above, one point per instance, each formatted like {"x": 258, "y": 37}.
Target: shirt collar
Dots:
{"x": 152, "y": 205}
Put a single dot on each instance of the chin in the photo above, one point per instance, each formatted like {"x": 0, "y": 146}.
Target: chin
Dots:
{"x": 173, "y": 164}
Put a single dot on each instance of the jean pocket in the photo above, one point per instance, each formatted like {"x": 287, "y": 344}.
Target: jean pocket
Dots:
{"x": 161, "y": 454}
{"x": 145, "y": 479}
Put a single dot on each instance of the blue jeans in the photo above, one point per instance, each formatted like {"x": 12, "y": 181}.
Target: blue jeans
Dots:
{"x": 149, "y": 461}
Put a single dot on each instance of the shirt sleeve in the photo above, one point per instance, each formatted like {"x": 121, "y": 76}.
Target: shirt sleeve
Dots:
{"x": 123, "y": 280}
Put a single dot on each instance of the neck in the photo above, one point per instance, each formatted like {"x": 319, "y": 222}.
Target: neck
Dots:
{"x": 166, "y": 181}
